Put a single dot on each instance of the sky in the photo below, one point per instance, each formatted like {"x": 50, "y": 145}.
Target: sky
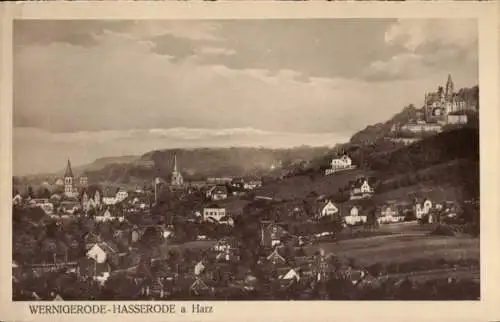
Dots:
{"x": 94, "y": 88}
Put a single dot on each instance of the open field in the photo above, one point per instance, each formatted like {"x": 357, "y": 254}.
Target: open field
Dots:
{"x": 408, "y": 242}
{"x": 445, "y": 192}
{"x": 299, "y": 187}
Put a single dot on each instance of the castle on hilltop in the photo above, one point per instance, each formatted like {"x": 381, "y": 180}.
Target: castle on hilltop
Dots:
{"x": 443, "y": 107}
{"x": 445, "y": 102}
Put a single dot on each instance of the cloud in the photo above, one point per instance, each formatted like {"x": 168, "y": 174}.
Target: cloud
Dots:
{"x": 401, "y": 66}
{"x": 83, "y": 33}
{"x": 217, "y": 51}
{"x": 141, "y": 85}
{"x": 423, "y": 35}
{"x": 427, "y": 46}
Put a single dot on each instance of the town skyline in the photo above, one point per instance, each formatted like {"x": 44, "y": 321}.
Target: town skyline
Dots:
{"x": 133, "y": 87}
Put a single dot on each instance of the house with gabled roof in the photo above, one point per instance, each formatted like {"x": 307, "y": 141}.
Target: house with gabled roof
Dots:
{"x": 58, "y": 298}
{"x": 354, "y": 213}
{"x": 325, "y": 209}
{"x": 104, "y": 216}
{"x": 199, "y": 287}
{"x": 276, "y": 258}
{"x": 390, "y": 213}
{"x": 361, "y": 189}
{"x": 291, "y": 275}
{"x": 217, "y": 192}
{"x": 101, "y": 251}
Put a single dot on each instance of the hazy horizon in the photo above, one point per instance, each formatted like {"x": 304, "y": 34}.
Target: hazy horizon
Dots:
{"x": 96, "y": 88}
{"x": 190, "y": 143}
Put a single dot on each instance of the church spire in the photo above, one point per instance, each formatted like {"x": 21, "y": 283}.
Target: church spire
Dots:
{"x": 177, "y": 179}
{"x": 69, "y": 172}
{"x": 175, "y": 163}
{"x": 449, "y": 86}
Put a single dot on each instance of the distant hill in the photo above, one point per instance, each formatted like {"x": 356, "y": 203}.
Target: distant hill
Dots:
{"x": 197, "y": 164}
{"x": 101, "y": 163}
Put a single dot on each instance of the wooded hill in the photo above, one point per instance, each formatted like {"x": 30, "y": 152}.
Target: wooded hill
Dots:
{"x": 197, "y": 164}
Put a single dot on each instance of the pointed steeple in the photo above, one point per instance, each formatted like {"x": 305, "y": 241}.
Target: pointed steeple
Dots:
{"x": 449, "y": 86}
{"x": 69, "y": 172}
{"x": 175, "y": 163}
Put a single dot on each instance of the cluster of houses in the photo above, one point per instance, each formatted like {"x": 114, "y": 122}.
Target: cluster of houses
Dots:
{"x": 211, "y": 273}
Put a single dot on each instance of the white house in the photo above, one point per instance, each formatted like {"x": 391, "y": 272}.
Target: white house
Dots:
{"x": 97, "y": 254}
{"x": 327, "y": 209}
{"x": 291, "y": 275}
{"x": 354, "y": 217}
{"x": 390, "y": 214}
{"x": 199, "y": 268}
{"x": 422, "y": 209}
{"x": 17, "y": 199}
{"x": 365, "y": 187}
{"x": 361, "y": 190}
{"x": 340, "y": 164}
{"x": 167, "y": 233}
{"x": 214, "y": 212}
{"x": 109, "y": 201}
{"x": 252, "y": 185}
{"x": 100, "y": 252}
{"x": 121, "y": 195}
{"x": 106, "y": 216}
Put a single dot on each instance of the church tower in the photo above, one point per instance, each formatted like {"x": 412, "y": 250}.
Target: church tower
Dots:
{"x": 68, "y": 181}
{"x": 450, "y": 88}
{"x": 177, "y": 179}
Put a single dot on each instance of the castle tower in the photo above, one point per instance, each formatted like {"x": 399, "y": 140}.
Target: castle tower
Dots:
{"x": 177, "y": 179}
{"x": 68, "y": 181}
{"x": 450, "y": 87}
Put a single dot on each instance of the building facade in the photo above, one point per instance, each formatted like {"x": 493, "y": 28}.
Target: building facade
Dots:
{"x": 68, "y": 181}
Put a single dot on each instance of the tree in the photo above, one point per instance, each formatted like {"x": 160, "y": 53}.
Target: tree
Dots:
{"x": 24, "y": 247}
{"x": 49, "y": 249}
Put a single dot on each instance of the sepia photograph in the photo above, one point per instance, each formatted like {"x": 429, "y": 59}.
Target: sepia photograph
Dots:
{"x": 255, "y": 159}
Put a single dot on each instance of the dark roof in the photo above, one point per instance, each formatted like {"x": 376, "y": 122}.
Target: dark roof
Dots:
{"x": 69, "y": 172}
{"x": 213, "y": 205}
{"x": 219, "y": 190}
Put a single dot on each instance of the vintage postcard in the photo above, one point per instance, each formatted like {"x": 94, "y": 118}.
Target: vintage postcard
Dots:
{"x": 251, "y": 162}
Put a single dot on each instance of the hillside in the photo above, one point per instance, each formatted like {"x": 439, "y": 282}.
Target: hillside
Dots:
{"x": 444, "y": 166}
{"x": 101, "y": 163}
{"x": 303, "y": 186}
{"x": 197, "y": 164}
